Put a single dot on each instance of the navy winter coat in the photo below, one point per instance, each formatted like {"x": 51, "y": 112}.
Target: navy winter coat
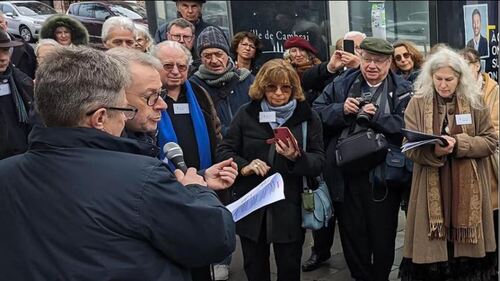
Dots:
{"x": 83, "y": 205}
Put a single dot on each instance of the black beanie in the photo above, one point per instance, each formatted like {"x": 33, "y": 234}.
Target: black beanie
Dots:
{"x": 211, "y": 37}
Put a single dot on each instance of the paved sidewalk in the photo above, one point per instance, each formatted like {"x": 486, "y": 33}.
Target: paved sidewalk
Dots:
{"x": 333, "y": 270}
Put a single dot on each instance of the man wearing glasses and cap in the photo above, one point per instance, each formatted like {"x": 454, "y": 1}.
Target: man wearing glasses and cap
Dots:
{"x": 16, "y": 95}
{"x": 369, "y": 97}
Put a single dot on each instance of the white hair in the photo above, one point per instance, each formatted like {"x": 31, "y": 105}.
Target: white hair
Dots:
{"x": 351, "y": 34}
{"x": 127, "y": 56}
{"x": 445, "y": 57}
{"x": 46, "y": 42}
{"x": 116, "y": 22}
{"x": 174, "y": 45}
{"x": 141, "y": 30}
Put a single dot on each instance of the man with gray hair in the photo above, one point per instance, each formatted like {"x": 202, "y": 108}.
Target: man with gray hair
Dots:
{"x": 118, "y": 32}
{"x": 85, "y": 203}
{"x": 182, "y": 31}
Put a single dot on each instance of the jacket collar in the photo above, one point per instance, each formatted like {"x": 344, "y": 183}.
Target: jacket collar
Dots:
{"x": 86, "y": 138}
{"x": 302, "y": 112}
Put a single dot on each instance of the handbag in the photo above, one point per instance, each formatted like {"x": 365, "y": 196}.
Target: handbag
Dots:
{"x": 316, "y": 204}
{"x": 364, "y": 149}
{"x": 395, "y": 171}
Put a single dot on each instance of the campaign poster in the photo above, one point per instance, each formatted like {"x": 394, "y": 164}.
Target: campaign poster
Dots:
{"x": 476, "y": 28}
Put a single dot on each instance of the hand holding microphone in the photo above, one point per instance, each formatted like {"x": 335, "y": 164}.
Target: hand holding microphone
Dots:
{"x": 184, "y": 175}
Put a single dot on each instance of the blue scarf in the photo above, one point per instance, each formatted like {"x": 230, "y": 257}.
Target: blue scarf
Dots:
{"x": 166, "y": 132}
{"x": 283, "y": 113}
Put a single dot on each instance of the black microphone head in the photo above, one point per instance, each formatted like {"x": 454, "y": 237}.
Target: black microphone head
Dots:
{"x": 172, "y": 150}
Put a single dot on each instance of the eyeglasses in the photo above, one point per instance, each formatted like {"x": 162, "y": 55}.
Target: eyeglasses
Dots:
{"x": 152, "y": 99}
{"x": 284, "y": 88}
{"x": 180, "y": 67}
{"x": 181, "y": 38}
{"x": 246, "y": 45}
{"x": 208, "y": 56}
{"x": 129, "y": 112}
{"x": 405, "y": 55}
{"x": 377, "y": 61}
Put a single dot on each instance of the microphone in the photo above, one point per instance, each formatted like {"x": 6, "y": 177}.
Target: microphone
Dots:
{"x": 174, "y": 153}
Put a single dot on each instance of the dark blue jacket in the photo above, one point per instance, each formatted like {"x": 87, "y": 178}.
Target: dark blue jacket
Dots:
{"x": 330, "y": 107}
{"x": 227, "y": 98}
{"x": 83, "y": 205}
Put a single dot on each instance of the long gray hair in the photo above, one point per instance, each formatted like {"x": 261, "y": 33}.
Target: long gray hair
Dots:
{"x": 445, "y": 57}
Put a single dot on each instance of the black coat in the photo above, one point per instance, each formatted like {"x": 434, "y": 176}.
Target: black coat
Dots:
{"x": 13, "y": 134}
{"x": 330, "y": 107}
{"x": 84, "y": 205}
{"x": 24, "y": 58}
{"x": 246, "y": 141}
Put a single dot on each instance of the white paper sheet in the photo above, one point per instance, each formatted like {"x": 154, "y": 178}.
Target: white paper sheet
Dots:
{"x": 267, "y": 192}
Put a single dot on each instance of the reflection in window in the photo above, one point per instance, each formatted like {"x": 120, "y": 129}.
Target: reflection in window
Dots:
{"x": 404, "y": 20}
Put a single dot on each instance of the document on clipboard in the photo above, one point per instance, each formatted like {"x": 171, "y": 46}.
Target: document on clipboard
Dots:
{"x": 416, "y": 139}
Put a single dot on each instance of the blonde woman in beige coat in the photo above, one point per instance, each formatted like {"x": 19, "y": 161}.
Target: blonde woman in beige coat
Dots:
{"x": 449, "y": 231}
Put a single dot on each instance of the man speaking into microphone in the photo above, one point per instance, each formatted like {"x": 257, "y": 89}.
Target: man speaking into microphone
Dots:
{"x": 143, "y": 92}
{"x": 84, "y": 203}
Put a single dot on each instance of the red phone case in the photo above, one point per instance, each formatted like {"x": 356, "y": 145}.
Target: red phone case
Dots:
{"x": 282, "y": 133}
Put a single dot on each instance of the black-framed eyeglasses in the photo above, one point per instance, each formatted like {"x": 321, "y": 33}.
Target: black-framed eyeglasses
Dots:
{"x": 180, "y": 67}
{"x": 129, "y": 112}
{"x": 152, "y": 99}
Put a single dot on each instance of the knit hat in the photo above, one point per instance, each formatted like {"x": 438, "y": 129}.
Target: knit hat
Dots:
{"x": 377, "y": 46}
{"x": 299, "y": 42}
{"x": 212, "y": 37}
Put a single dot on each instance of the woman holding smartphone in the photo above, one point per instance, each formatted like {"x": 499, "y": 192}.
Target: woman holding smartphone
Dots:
{"x": 277, "y": 101}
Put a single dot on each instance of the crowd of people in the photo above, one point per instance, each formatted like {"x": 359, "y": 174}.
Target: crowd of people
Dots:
{"x": 89, "y": 190}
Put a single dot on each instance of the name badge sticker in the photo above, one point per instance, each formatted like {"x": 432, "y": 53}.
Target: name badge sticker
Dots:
{"x": 267, "y": 116}
{"x": 463, "y": 119}
{"x": 181, "y": 108}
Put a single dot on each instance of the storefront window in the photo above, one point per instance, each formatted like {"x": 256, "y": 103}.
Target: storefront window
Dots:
{"x": 275, "y": 21}
{"x": 214, "y": 12}
{"x": 392, "y": 20}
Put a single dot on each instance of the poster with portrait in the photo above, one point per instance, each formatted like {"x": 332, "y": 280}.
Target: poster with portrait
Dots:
{"x": 476, "y": 23}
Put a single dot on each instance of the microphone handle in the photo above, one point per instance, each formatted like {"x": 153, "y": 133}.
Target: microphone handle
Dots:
{"x": 181, "y": 166}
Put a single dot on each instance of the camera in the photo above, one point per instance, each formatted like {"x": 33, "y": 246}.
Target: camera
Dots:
{"x": 363, "y": 118}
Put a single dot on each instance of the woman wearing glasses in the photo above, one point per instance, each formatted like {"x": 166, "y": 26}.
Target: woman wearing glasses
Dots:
{"x": 407, "y": 60}
{"x": 246, "y": 47}
{"x": 277, "y": 101}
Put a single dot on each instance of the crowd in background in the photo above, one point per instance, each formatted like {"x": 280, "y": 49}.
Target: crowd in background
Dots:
{"x": 191, "y": 85}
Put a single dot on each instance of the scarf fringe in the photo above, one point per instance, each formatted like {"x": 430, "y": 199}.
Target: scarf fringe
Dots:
{"x": 469, "y": 235}
{"x": 438, "y": 231}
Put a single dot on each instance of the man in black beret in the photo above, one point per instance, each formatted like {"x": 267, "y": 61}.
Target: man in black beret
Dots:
{"x": 371, "y": 97}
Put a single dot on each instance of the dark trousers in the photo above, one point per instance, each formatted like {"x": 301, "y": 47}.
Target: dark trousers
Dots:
{"x": 256, "y": 259}
{"x": 323, "y": 239}
{"x": 368, "y": 220}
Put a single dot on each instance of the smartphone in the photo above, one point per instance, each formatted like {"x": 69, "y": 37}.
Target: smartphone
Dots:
{"x": 348, "y": 46}
{"x": 282, "y": 133}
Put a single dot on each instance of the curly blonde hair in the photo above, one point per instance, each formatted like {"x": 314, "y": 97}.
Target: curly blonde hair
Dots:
{"x": 276, "y": 71}
{"x": 445, "y": 57}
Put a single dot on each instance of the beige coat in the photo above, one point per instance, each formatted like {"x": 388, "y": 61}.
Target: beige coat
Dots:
{"x": 490, "y": 95}
{"x": 477, "y": 147}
